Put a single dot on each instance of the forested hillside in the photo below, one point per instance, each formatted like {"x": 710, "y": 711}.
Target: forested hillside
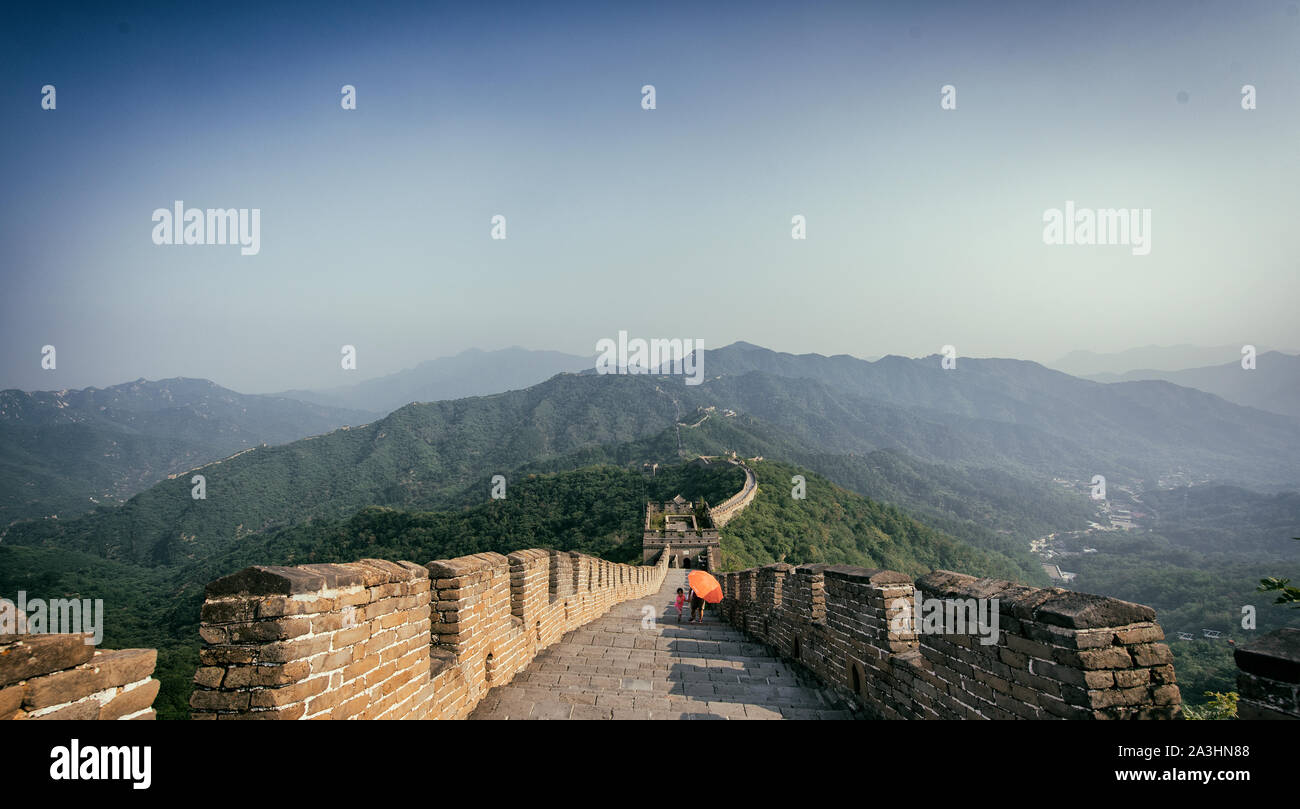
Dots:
{"x": 835, "y": 526}
{"x": 597, "y": 510}
{"x": 64, "y": 452}
{"x": 421, "y": 457}
{"x": 889, "y": 484}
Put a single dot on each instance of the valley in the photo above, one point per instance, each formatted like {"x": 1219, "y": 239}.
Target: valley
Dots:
{"x": 907, "y": 467}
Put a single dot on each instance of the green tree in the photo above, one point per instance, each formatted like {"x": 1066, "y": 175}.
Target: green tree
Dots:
{"x": 1220, "y": 706}
{"x": 1286, "y": 593}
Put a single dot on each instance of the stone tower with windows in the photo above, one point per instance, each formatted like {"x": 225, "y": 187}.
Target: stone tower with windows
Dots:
{"x": 684, "y": 528}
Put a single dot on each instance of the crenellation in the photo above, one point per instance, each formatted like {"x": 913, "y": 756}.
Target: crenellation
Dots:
{"x": 1055, "y": 654}
{"x": 385, "y": 640}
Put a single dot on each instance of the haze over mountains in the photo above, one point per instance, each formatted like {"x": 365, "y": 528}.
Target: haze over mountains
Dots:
{"x": 1009, "y": 413}
{"x": 1028, "y": 421}
{"x": 469, "y": 373}
{"x": 62, "y": 452}
{"x": 1273, "y": 384}
{"x": 1161, "y": 358}
{"x": 909, "y": 465}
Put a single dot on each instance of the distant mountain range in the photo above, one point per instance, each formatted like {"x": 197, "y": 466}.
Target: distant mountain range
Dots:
{"x": 63, "y": 452}
{"x": 418, "y": 457}
{"x": 1008, "y": 413}
{"x": 1018, "y": 419}
{"x": 908, "y": 466}
{"x": 1161, "y": 358}
{"x": 470, "y": 373}
{"x": 1273, "y": 384}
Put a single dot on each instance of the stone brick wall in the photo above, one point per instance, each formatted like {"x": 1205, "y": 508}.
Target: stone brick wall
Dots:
{"x": 48, "y": 676}
{"x": 1058, "y": 654}
{"x": 1268, "y": 676}
{"x": 385, "y": 640}
{"x": 723, "y": 513}
{"x": 341, "y": 641}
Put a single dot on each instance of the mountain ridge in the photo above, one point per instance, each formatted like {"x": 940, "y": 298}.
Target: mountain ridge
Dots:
{"x": 423, "y": 455}
{"x": 473, "y": 372}
{"x": 65, "y": 451}
{"x": 1273, "y": 385}
{"x": 1165, "y": 358}
{"x": 1149, "y": 427}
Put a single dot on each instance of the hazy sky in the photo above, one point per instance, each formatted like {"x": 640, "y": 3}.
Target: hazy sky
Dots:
{"x": 924, "y": 226}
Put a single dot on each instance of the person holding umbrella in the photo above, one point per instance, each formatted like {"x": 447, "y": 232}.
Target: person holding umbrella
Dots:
{"x": 704, "y": 590}
{"x": 697, "y": 608}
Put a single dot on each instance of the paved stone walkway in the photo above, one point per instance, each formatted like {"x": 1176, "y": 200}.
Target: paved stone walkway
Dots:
{"x": 613, "y": 668}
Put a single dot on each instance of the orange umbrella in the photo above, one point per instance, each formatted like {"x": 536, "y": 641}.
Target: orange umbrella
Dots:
{"x": 705, "y": 586}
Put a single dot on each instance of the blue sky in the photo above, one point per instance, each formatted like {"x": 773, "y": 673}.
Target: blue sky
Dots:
{"x": 924, "y": 225}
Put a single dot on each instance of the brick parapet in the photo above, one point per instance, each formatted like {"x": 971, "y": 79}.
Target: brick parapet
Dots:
{"x": 62, "y": 676}
{"x": 1057, "y": 654}
{"x": 387, "y": 640}
{"x": 732, "y": 506}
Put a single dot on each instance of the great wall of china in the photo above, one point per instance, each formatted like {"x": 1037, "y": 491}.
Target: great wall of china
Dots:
{"x": 729, "y": 508}
{"x": 378, "y": 639}
{"x": 1058, "y": 654}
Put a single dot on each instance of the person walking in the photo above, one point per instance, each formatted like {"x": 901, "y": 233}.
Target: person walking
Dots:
{"x": 679, "y": 603}
{"x": 697, "y": 608}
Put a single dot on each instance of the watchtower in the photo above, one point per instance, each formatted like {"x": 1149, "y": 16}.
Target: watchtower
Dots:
{"x": 684, "y": 527}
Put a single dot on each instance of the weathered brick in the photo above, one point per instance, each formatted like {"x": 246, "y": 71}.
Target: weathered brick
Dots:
{"x": 26, "y": 656}
{"x": 1151, "y": 654}
{"x": 78, "y": 711}
{"x": 286, "y": 695}
{"x": 1162, "y": 674}
{"x": 228, "y": 609}
{"x": 103, "y": 671}
{"x": 1113, "y": 697}
{"x": 11, "y": 699}
{"x": 202, "y": 700}
{"x": 1013, "y": 659}
{"x": 298, "y": 649}
{"x": 267, "y": 675}
{"x": 1132, "y": 677}
{"x": 270, "y": 630}
{"x": 1166, "y": 695}
{"x": 1148, "y": 633}
{"x": 227, "y": 655}
{"x": 1110, "y": 658}
{"x": 125, "y": 703}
